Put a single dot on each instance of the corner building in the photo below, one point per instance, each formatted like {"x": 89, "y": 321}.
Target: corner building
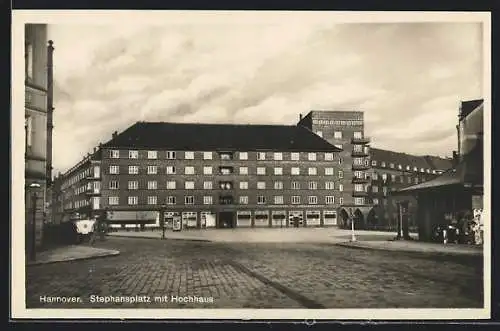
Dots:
{"x": 220, "y": 176}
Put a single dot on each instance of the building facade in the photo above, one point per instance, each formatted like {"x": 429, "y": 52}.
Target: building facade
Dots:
{"x": 38, "y": 126}
{"x": 222, "y": 176}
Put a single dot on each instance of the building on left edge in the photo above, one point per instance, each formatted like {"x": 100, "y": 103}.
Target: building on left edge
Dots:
{"x": 38, "y": 110}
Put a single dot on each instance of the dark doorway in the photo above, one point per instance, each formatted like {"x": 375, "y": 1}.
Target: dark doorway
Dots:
{"x": 226, "y": 219}
{"x": 372, "y": 219}
{"x": 344, "y": 218}
{"x": 359, "y": 220}
{"x": 295, "y": 221}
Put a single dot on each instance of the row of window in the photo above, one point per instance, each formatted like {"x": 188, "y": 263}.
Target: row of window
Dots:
{"x": 227, "y": 185}
{"x": 393, "y": 178}
{"x": 209, "y": 200}
{"x": 339, "y": 134}
{"x": 94, "y": 172}
{"x": 383, "y": 164}
{"x": 190, "y": 170}
{"x": 172, "y": 155}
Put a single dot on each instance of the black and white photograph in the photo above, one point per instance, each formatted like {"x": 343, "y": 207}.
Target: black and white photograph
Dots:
{"x": 251, "y": 164}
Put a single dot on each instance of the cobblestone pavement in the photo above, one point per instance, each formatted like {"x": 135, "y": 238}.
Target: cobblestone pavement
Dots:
{"x": 239, "y": 275}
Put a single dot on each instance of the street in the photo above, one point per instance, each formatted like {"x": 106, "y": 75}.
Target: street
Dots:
{"x": 190, "y": 274}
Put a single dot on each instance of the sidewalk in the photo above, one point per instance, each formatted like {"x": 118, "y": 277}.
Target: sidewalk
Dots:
{"x": 261, "y": 235}
{"x": 71, "y": 253}
{"x": 416, "y": 246}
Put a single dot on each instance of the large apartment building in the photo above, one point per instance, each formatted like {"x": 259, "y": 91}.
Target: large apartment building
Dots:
{"x": 38, "y": 124}
{"x": 209, "y": 176}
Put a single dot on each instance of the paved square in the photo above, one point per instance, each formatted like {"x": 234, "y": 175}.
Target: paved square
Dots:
{"x": 187, "y": 274}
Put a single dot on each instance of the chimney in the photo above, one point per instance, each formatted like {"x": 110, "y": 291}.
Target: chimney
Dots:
{"x": 300, "y": 117}
{"x": 50, "y": 110}
{"x": 114, "y": 134}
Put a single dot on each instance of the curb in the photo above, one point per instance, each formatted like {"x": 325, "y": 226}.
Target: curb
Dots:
{"x": 179, "y": 239}
{"x": 347, "y": 245}
{"x": 113, "y": 253}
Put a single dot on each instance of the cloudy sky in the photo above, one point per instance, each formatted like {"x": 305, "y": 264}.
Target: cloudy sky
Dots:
{"x": 408, "y": 78}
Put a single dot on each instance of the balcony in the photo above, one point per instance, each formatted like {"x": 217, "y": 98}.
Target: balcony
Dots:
{"x": 360, "y": 180}
{"x": 226, "y": 170}
{"x": 362, "y": 153}
{"x": 226, "y": 185}
{"x": 363, "y": 166}
{"x": 360, "y": 140}
{"x": 359, "y": 194}
{"x": 226, "y": 200}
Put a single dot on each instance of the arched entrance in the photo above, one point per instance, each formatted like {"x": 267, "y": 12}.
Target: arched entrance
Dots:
{"x": 372, "y": 219}
{"x": 344, "y": 218}
{"x": 359, "y": 219}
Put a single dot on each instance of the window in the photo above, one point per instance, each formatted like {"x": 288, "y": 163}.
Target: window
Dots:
{"x": 226, "y": 156}
{"x": 313, "y": 185}
{"x": 189, "y": 170}
{"x": 400, "y": 167}
{"x": 207, "y": 185}
{"x": 152, "y": 170}
{"x": 295, "y": 199}
{"x": 416, "y": 180}
{"x": 113, "y": 201}
{"x": 132, "y": 200}
{"x": 341, "y": 174}
{"x": 243, "y": 170}
{"x": 358, "y": 187}
{"x": 422, "y": 170}
{"x": 358, "y": 135}
{"x": 243, "y": 200}
{"x": 358, "y": 148}
{"x": 295, "y": 156}
{"x": 133, "y": 154}
{"x": 391, "y": 165}
{"x": 225, "y": 170}
{"x": 278, "y": 171}
{"x": 261, "y": 200}
{"x": 170, "y": 170}
{"x": 328, "y": 156}
{"x": 329, "y": 200}
{"x": 207, "y": 170}
{"x": 133, "y": 185}
{"x": 29, "y": 61}
{"x": 207, "y": 155}
{"x": 133, "y": 170}
{"x": 278, "y": 185}
{"x": 383, "y": 164}
{"x": 409, "y": 179}
{"x": 341, "y": 187}
{"x": 261, "y": 185}
{"x": 375, "y": 176}
{"x": 384, "y": 177}
{"x": 359, "y": 201}
{"x": 114, "y": 154}
{"x": 189, "y": 185}
{"x": 261, "y": 170}
{"x": 171, "y": 185}
{"x": 152, "y": 185}
{"x": 375, "y": 189}
{"x": 278, "y": 200}
{"x": 243, "y": 185}
{"x": 312, "y": 199}
{"x": 341, "y": 201}
{"x": 278, "y": 156}
{"x": 337, "y": 135}
{"x": 226, "y": 185}
{"x": 261, "y": 156}
{"x": 152, "y": 200}
{"x": 243, "y": 156}
{"x": 415, "y": 169}
{"x": 329, "y": 171}
{"x": 295, "y": 171}
{"x": 319, "y": 133}
{"x": 170, "y": 155}
{"x": 114, "y": 170}
{"x": 329, "y": 186}
{"x": 408, "y": 167}
{"x": 311, "y": 156}
{"x": 207, "y": 200}
{"x": 393, "y": 178}
{"x": 170, "y": 200}
{"x": 357, "y": 161}
{"x": 384, "y": 189}
{"x": 114, "y": 185}
{"x": 152, "y": 154}
{"x": 375, "y": 201}
{"x": 295, "y": 186}
{"x": 312, "y": 171}
{"x": 189, "y": 200}
{"x": 28, "y": 126}
{"x": 374, "y": 163}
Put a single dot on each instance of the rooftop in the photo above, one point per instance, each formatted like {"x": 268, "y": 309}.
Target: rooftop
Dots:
{"x": 426, "y": 162}
{"x": 209, "y": 137}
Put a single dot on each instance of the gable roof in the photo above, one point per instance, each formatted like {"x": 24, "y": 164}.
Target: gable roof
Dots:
{"x": 426, "y": 162}
{"x": 209, "y": 137}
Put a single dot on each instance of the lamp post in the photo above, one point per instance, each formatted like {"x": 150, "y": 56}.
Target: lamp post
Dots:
{"x": 162, "y": 221}
{"x": 353, "y": 235}
{"x": 34, "y": 198}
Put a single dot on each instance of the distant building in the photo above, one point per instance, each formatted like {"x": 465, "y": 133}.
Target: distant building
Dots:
{"x": 459, "y": 190}
{"x": 38, "y": 123}
{"x": 208, "y": 175}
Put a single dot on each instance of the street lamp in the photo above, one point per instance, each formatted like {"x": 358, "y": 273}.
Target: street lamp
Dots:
{"x": 34, "y": 198}
{"x": 162, "y": 220}
{"x": 353, "y": 235}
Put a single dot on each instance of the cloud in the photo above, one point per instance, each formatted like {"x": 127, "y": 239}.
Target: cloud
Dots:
{"x": 408, "y": 78}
